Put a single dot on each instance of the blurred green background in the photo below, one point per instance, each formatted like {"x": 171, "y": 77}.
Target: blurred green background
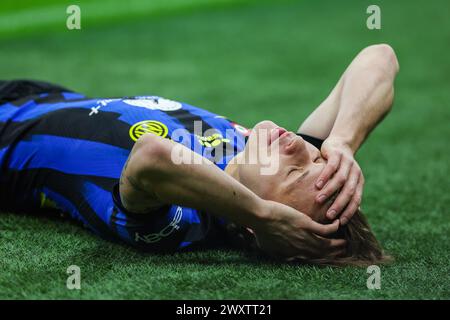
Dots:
{"x": 249, "y": 60}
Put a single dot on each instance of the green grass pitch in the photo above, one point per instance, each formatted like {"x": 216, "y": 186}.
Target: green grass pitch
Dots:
{"x": 248, "y": 60}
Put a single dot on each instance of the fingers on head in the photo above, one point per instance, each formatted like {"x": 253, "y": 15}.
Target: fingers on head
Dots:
{"x": 345, "y": 195}
{"x": 324, "y": 229}
{"x": 339, "y": 181}
{"x": 331, "y": 167}
{"x": 353, "y": 206}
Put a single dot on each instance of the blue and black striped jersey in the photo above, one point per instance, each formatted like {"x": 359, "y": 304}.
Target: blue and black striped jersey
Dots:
{"x": 61, "y": 150}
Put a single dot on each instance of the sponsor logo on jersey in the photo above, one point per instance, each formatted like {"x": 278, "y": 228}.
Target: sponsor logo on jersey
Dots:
{"x": 47, "y": 203}
{"x": 164, "y": 233}
{"x": 154, "y": 103}
{"x": 148, "y": 126}
{"x": 100, "y": 104}
{"x": 212, "y": 141}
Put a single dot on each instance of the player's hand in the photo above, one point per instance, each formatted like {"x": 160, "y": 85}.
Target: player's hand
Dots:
{"x": 286, "y": 232}
{"x": 343, "y": 173}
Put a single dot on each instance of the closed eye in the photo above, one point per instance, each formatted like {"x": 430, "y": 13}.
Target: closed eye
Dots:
{"x": 300, "y": 173}
{"x": 318, "y": 158}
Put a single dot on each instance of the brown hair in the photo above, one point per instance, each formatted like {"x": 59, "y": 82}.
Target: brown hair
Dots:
{"x": 363, "y": 249}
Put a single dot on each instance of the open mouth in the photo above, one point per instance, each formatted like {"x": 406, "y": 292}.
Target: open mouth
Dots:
{"x": 276, "y": 134}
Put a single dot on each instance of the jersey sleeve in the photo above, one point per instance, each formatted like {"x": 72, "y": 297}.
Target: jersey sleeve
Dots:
{"x": 168, "y": 229}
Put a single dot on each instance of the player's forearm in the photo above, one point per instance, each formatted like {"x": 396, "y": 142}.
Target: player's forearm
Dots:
{"x": 199, "y": 184}
{"x": 366, "y": 97}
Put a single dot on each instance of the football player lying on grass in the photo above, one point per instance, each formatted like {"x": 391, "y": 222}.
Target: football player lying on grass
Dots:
{"x": 165, "y": 176}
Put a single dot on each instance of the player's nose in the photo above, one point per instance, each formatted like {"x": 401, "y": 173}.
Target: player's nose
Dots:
{"x": 296, "y": 146}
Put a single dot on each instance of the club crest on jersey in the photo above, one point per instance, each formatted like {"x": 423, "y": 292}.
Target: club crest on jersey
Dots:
{"x": 148, "y": 126}
{"x": 154, "y": 103}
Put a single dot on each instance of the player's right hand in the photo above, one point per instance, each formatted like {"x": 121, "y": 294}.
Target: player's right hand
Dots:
{"x": 285, "y": 232}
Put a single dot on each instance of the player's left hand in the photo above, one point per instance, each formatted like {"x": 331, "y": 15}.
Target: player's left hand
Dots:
{"x": 343, "y": 173}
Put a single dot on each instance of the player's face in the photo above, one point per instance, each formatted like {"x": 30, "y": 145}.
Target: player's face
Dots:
{"x": 286, "y": 169}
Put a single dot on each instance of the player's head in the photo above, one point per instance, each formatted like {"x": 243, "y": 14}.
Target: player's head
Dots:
{"x": 281, "y": 166}
{"x": 285, "y": 171}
